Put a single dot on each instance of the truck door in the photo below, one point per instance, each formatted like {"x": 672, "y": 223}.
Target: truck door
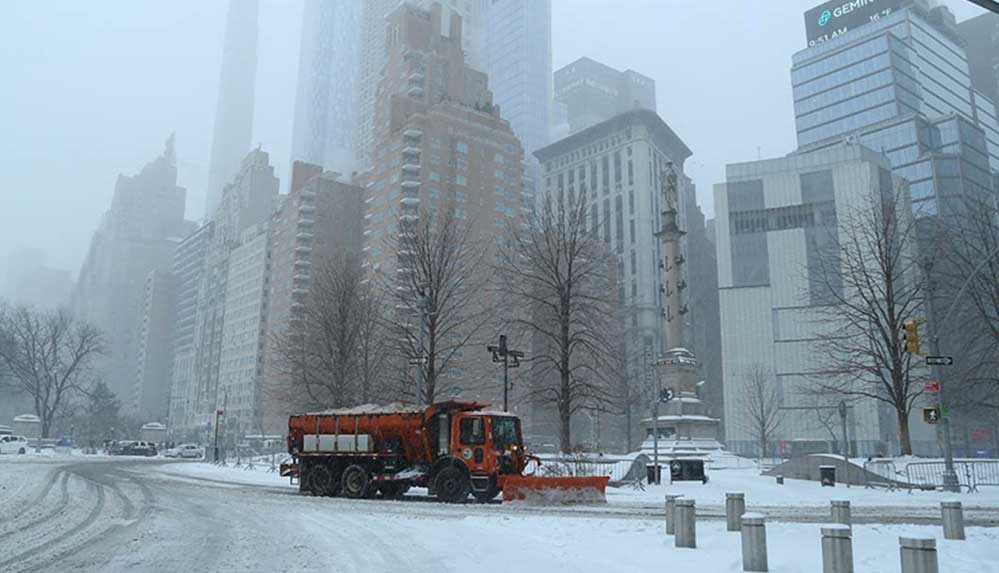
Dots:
{"x": 472, "y": 438}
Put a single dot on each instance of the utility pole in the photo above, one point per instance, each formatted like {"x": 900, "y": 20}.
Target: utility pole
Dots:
{"x": 503, "y": 354}
{"x": 950, "y": 481}
{"x": 219, "y": 412}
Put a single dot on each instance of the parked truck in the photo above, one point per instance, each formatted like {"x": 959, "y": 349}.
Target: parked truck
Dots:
{"x": 452, "y": 448}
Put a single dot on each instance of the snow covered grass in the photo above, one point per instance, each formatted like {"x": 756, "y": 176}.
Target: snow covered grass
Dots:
{"x": 763, "y": 490}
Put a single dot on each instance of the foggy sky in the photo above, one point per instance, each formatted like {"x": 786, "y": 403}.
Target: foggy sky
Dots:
{"x": 89, "y": 90}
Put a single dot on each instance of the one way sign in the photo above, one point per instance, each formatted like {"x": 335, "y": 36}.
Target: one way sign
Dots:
{"x": 939, "y": 360}
{"x": 931, "y": 415}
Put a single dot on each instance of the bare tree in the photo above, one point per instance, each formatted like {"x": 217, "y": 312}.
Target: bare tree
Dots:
{"x": 762, "y": 403}
{"x": 439, "y": 296}
{"x": 871, "y": 279}
{"x": 371, "y": 361}
{"x": 970, "y": 237}
{"x": 317, "y": 354}
{"x": 558, "y": 270}
{"x": 49, "y": 356}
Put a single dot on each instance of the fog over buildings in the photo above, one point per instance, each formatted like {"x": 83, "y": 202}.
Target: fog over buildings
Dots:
{"x": 126, "y": 101}
{"x": 174, "y": 173}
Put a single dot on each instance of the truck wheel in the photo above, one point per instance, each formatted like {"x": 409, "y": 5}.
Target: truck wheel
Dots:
{"x": 356, "y": 482}
{"x": 452, "y": 485}
{"x": 322, "y": 481}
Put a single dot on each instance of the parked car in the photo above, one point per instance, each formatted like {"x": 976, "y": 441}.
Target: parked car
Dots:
{"x": 189, "y": 451}
{"x": 132, "y": 448}
{"x": 10, "y": 444}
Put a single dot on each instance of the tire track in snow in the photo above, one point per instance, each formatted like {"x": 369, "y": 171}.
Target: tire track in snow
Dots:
{"x": 60, "y": 508}
{"x": 53, "y": 476}
{"x": 49, "y": 544}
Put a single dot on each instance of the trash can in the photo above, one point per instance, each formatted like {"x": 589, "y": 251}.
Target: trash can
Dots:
{"x": 687, "y": 470}
{"x": 827, "y": 475}
{"x": 650, "y": 473}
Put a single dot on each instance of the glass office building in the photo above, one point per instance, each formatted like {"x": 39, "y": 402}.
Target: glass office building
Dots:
{"x": 899, "y": 84}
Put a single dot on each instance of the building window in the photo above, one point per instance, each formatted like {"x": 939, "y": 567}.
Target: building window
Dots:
{"x": 631, "y": 173}
{"x": 605, "y": 176}
{"x": 607, "y": 221}
{"x": 619, "y": 218}
{"x": 617, "y": 166}
{"x": 631, "y": 224}
{"x": 461, "y": 147}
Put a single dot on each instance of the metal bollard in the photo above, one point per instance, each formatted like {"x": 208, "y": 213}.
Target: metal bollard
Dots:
{"x": 953, "y": 519}
{"x": 919, "y": 555}
{"x": 735, "y": 506}
{"x": 837, "y": 549}
{"x": 686, "y": 523}
{"x": 754, "y": 542}
{"x": 841, "y": 511}
{"x": 671, "y": 512}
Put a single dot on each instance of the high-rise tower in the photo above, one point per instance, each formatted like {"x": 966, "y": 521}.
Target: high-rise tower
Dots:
{"x": 234, "y": 109}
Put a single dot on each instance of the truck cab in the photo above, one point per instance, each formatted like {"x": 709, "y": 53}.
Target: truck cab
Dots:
{"x": 482, "y": 445}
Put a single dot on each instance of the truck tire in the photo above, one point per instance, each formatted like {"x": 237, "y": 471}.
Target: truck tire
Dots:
{"x": 322, "y": 480}
{"x": 452, "y": 485}
{"x": 356, "y": 482}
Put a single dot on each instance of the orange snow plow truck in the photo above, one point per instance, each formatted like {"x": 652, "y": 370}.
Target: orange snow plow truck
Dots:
{"x": 454, "y": 449}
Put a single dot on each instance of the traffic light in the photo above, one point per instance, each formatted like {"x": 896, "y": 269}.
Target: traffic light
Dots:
{"x": 911, "y": 328}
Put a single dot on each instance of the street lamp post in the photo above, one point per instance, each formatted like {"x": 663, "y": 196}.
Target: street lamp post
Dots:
{"x": 503, "y": 354}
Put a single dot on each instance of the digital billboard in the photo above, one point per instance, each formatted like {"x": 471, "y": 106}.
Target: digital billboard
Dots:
{"x": 833, "y": 19}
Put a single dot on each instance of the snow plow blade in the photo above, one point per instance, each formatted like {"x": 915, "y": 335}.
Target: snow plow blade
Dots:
{"x": 555, "y": 490}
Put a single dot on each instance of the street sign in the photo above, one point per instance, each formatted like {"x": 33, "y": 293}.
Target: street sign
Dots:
{"x": 666, "y": 394}
{"x": 932, "y": 386}
{"x": 939, "y": 360}
{"x": 931, "y": 415}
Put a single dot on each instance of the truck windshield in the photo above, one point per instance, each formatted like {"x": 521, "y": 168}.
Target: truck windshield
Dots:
{"x": 504, "y": 431}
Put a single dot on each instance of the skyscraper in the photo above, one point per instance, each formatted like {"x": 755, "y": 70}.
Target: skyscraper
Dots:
{"x": 593, "y": 92}
{"x": 440, "y": 141}
{"x": 233, "y": 131}
{"x": 516, "y": 54}
{"x": 619, "y": 164}
{"x": 777, "y": 220}
{"x": 899, "y": 83}
{"x": 151, "y": 389}
{"x": 247, "y": 203}
{"x": 374, "y": 55}
{"x": 981, "y": 35}
{"x": 136, "y": 236}
{"x": 188, "y": 270}
{"x": 326, "y": 101}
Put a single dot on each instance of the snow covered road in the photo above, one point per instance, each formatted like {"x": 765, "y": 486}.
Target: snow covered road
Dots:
{"x": 146, "y": 515}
